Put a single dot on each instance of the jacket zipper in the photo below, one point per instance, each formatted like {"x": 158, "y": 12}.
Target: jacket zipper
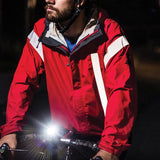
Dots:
{"x": 69, "y": 58}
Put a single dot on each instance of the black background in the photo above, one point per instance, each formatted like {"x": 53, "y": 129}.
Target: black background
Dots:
{"x": 140, "y": 20}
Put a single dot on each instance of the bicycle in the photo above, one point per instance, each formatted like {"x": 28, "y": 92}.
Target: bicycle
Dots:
{"x": 46, "y": 147}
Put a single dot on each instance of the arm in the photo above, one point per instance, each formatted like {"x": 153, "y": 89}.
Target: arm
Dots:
{"x": 121, "y": 90}
{"x": 121, "y": 109}
{"x": 25, "y": 83}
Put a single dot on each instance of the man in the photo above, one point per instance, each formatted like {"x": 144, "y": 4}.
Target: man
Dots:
{"x": 89, "y": 74}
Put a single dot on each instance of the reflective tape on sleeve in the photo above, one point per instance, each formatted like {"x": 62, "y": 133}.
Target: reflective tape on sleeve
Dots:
{"x": 114, "y": 48}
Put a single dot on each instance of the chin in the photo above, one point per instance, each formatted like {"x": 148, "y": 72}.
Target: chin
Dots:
{"x": 49, "y": 16}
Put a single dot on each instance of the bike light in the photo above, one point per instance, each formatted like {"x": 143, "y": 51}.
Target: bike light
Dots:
{"x": 52, "y": 130}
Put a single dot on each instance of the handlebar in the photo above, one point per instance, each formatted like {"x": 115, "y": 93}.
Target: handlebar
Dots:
{"x": 66, "y": 141}
{"x": 78, "y": 142}
{"x": 44, "y": 144}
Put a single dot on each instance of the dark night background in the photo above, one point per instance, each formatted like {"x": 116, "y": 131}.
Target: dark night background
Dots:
{"x": 140, "y": 20}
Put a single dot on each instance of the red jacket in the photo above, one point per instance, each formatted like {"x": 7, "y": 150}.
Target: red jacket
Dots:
{"x": 91, "y": 90}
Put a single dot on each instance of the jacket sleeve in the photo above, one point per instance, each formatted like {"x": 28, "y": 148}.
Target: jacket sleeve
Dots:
{"x": 120, "y": 84}
{"x": 25, "y": 82}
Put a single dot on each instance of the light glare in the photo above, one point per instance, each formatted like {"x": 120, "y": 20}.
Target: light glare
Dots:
{"x": 52, "y": 130}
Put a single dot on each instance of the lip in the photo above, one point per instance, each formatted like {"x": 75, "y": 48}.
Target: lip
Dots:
{"x": 49, "y": 9}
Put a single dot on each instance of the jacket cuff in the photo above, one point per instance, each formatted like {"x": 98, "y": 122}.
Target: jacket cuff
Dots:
{"x": 113, "y": 148}
{"x": 9, "y": 128}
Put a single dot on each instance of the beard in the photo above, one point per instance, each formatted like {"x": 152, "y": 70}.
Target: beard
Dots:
{"x": 59, "y": 16}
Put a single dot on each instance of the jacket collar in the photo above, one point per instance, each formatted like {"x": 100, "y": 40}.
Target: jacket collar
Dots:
{"x": 92, "y": 30}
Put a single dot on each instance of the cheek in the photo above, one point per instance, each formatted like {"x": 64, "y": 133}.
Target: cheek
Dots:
{"x": 64, "y": 4}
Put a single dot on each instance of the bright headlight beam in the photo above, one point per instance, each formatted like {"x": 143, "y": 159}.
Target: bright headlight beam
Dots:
{"x": 52, "y": 131}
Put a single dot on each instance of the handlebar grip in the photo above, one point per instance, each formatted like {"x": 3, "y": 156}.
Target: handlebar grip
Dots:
{"x": 4, "y": 147}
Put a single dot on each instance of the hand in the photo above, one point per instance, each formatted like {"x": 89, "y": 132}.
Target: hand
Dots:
{"x": 106, "y": 155}
{"x": 11, "y": 140}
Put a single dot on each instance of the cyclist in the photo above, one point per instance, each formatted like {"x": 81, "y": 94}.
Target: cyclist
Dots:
{"x": 89, "y": 73}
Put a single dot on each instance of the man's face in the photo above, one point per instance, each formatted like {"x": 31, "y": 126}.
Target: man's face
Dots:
{"x": 60, "y": 10}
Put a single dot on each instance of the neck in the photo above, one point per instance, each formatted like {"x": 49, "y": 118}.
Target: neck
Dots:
{"x": 76, "y": 28}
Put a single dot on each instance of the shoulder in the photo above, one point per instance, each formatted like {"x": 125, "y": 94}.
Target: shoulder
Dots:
{"x": 110, "y": 26}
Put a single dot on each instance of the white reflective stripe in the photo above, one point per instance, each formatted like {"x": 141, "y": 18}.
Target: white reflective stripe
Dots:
{"x": 114, "y": 48}
{"x": 36, "y": 44}
{"x": 99, "y": 80}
